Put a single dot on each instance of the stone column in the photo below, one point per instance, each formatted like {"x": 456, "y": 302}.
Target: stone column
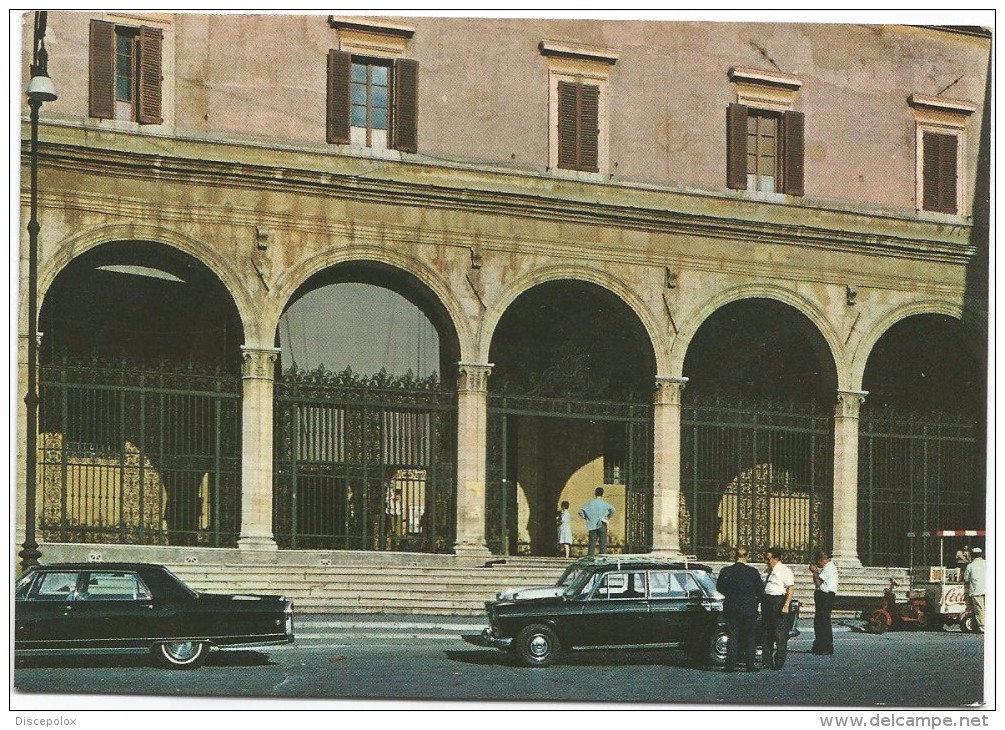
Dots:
{"x": 472, "y": 407}
{"x": 845, "y": 551}
{"x": 258, "y": 372}
{"x": 666, "y": 466}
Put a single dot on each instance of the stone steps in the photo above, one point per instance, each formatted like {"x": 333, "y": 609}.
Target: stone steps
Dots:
{"x": 360, "y": 582}
{"x": 445, "y": 590}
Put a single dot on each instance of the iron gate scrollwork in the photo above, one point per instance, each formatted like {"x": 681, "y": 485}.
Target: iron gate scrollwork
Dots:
{"x": 363, "y": 462}
{"x": 139, "y": 453}
{"x": 755, "y": 475}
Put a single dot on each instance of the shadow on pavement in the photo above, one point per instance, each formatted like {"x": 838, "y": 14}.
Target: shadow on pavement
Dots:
{"x": 241, "y": 658}
{"x": 655, "y": 658}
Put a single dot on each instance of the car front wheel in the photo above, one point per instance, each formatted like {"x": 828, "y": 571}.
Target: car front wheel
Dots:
{"x": 537, "y": 646}
{"x": 181, "y": 654}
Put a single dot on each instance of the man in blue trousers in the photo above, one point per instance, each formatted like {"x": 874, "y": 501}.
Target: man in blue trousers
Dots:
{"x": 597, "y": 512}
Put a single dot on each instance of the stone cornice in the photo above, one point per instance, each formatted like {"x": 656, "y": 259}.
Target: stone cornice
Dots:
{"x": 658, "y": 211}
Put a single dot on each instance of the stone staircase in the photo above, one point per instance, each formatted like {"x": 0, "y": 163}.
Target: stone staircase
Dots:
{"x": 446, "y": 590}
{"x": 348, "y": 582}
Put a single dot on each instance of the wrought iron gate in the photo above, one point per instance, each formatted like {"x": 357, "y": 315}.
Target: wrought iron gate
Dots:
{"x": 916, "y": 475}
{"x": 631, "y": 422}
{"x": 363, "y": 463}
{"x": 756, "y": 475}
{"x": 139, "y": 455}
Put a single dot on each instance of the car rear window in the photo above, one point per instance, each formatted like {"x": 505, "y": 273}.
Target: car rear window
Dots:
{"x": 114, "y": 587}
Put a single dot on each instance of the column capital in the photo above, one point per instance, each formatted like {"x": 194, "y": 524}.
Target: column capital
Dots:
{"x": 669, "y": 390}
{"x": 257, "y": 362}
{"x": 848, "y": 402}
{"x": 474, "y": 376}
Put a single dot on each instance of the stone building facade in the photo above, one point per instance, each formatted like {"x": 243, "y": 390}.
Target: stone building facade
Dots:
{"x": 680, "y": 260}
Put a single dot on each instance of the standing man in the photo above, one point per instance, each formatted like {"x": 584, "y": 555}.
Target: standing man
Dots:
{"x": 743, "y": 590}
{"x": 974, "y": 584}
{"x": 779, "y": 585}
{"x": 825, "y": 578}
{"x": 597, "y": 512}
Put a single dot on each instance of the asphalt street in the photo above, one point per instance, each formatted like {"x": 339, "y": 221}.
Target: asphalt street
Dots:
{"x": 382, "y": 657}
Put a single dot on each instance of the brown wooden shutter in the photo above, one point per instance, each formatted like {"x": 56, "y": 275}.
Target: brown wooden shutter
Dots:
{"x": 568, "y": 142}
{"x": 148, "y": 108}
{"x": 589, "y": 127}
{"x": 405, "y": 119}
{"x": 102, "y": 70}
{"x": 793, "y": 124}
{"x": 947, "y": 173}
{"x": 938, "y": 171}
{"x": 339, "y": 69}
{"x": 736, "y": 147}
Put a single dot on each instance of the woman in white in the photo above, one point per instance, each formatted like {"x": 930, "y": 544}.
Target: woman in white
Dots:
{"x": 565, "y": 529}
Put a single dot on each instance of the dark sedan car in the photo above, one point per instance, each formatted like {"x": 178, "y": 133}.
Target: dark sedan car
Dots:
{"x": 136, "y": 607}
{"x": 614, "y": 603}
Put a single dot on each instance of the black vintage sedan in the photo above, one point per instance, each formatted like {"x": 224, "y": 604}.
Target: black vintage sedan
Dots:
{"x": 137, "y": 607}
{"x": 613, "y": 603}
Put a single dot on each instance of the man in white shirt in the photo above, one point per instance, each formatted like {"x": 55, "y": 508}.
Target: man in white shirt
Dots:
{"x": 974, "y": 584}
{"x": 825, "y": 578}
{"x": 779, "y": 585}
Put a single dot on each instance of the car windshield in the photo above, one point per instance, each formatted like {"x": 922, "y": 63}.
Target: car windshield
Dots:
{"x": 584, "y": 582}
{"x": 570, "y": 575}
{"x": 21, "y": 589}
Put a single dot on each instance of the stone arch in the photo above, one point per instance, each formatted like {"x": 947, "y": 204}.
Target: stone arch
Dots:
{"x": 606, "y": 281}
{"x": 860, "y": 357}
{"x": 69, "y": 249}
{"x": 760, "y": 291}
{"x": 287, "y": 284}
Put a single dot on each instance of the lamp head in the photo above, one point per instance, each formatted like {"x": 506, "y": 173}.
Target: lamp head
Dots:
{"x": 41, "y": 88}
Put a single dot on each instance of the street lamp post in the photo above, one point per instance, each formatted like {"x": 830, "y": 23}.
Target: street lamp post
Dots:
{"x": 40, "y": 90}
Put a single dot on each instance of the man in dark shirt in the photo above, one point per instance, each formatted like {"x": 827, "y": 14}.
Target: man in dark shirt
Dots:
{"x": 743, "y": 589}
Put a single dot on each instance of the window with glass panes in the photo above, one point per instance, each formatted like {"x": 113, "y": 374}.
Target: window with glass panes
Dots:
{"x": 369, "y": 104}
{"x": 125, "y": 72}
{"x": 762, "y": 152}
{"x": 125, "y": 66}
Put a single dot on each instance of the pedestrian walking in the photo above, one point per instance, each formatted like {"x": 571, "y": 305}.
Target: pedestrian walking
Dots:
{"x": 975, "y": 584}
{"x": 825, "y": 580}
{"x": 564, "y": 521}
{"x": 597, "y": 512}
{"x": 779, "y": 585}
{"x": 743, "y": 590}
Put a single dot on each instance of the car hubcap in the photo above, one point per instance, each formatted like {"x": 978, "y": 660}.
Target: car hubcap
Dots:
{"x": 182, "y": 651}
{"x": 721, "y": 642}
{"x": 539, "y": 646}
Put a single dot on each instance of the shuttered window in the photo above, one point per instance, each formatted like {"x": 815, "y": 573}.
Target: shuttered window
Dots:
{"x": 939, "y": 171}
{"x": 125, "y": 72}
{"x": 764, "y": 150}
{"x": 578, "y": 126}
{"x": 372, "y": 102}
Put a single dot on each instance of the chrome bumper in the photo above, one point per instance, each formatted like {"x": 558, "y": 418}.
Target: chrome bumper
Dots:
{"x": 490, "y": 639}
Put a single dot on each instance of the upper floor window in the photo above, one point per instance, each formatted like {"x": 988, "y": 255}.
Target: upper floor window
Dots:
{"x": 369, "y": 104}
{"x": 941, "y": 136}
{"x": 373, "y": 102}
{"x": 578, "y": 125}
{"x": 125, "y": 72}
{"x": 373, "y": 92}
{"x": 764, "y": 149}
{"x": 939, "y": 171}
{"x": 578, "y": 121}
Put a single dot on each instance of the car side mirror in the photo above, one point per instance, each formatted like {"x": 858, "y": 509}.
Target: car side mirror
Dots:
{"x": 695, "y": 593}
